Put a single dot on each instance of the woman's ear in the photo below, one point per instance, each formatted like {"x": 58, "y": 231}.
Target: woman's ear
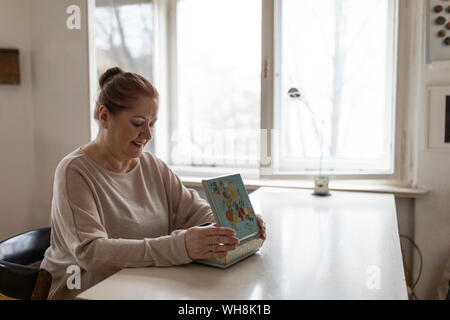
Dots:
{"x": 103, "y": 117}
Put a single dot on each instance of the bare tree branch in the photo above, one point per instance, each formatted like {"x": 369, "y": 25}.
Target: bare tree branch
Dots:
{"x": 359, "y": 30}
{"x": 338, "y": 62}
{"x": 122, "y": 37}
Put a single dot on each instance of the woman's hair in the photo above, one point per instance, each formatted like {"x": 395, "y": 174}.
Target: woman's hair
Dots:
{"x": 119, "y": 90}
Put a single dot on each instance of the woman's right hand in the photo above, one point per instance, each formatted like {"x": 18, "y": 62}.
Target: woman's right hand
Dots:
{"x": 210, "y": 242}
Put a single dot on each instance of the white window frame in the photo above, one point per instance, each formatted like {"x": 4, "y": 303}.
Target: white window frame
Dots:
{"x": 270, "y": 96}
{"x": 165, "y": 81}
{"x": 168, "y": 74}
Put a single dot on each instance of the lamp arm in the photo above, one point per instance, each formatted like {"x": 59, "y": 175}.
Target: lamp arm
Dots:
{"x": 314, "y": 118}
{"x": 294, "y": 93}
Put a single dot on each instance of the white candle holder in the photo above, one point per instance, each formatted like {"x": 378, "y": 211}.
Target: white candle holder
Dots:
{"x": 321, "y": 186}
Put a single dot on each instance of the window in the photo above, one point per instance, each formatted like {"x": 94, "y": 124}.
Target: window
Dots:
{"x": 124, "y": 36}
{"x": 340, "y": 56}
{"x": 215, "y": 121}
{"x": 226, "y": 71}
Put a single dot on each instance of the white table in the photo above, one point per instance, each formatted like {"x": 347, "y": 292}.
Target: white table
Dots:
{"x": 345, "y": 246}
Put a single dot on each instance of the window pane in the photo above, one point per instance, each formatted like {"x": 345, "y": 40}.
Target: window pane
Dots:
{"x": 124, "y": 36}
{"x": 339, "y": 54}
{"x": 218, "y": 80}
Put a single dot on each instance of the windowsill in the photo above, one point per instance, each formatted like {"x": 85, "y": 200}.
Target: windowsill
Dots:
{"x": 400, "y": 191}
{"x": 210, "y": 172}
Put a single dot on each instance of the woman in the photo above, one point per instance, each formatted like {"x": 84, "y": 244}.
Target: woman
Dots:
{"x": 115, "y": 206}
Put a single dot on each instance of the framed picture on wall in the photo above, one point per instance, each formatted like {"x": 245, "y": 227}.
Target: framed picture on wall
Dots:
{"x": 439, "y": 118}
{"x": 9, "y": 66}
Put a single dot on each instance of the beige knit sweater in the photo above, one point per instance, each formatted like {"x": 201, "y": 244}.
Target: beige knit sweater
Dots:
{"x": 104, "y": 221}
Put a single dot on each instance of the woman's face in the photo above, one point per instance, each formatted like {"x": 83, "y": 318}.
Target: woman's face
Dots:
{"x": 128, "y": 131}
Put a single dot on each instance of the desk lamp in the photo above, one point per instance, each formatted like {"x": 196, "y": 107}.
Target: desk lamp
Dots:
{"x": 320, "y": 181}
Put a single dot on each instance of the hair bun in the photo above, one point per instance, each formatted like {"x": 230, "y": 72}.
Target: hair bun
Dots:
{"x": 108, "y": 75}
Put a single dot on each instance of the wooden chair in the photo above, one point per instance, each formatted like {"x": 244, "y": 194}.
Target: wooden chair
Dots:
{"x": 19, "y": 279}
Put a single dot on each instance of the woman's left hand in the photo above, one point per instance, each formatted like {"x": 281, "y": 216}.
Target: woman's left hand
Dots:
{"x": 262, "y": 226}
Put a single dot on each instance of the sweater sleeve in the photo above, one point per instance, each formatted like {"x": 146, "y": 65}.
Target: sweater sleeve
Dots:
{"x": 187, "y": 208}
{"x": 84, "y": 234}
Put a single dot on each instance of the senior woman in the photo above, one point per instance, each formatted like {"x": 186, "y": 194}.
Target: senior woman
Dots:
{"x": 115, "y": 206}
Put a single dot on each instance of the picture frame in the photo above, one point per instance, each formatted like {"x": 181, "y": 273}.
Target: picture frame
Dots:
{"x": 9, "y": 67}
{"x": 439, "y": 118}
{"x": 437, "y": 33}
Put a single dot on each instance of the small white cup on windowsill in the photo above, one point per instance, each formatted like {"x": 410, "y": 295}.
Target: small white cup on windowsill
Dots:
{"x": 321, "y": 186}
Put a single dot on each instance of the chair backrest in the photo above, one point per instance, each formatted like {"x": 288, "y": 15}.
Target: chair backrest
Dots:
{"x": 17, "y": 279}
{"x": 25, "y": 248}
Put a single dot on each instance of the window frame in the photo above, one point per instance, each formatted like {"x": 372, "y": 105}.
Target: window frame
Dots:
{"x": 271, "y": 52}
{"x": 166, "y": 76}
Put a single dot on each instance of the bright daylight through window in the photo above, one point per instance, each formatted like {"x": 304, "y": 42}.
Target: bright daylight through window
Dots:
{"x": 216, "y": 117}
{"x": 340, "y": 56}
{"x": 337, "y": 58}
{"x": 124, "y": 37}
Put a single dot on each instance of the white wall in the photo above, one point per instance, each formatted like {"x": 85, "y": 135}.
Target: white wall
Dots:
{"x": 432, "y": 168}
{"x": 432, "y": 214}
{"x": 60, "y": 93}
{"x": 47, "y": 115}
{"x": 16, "y": 123}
